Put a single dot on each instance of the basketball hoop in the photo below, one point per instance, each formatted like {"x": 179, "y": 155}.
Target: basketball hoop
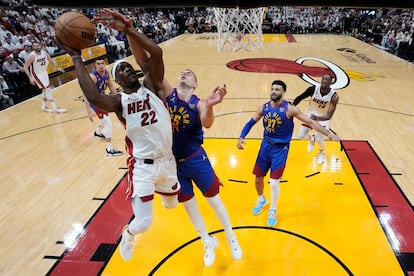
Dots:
{"x": 239, "y": 28}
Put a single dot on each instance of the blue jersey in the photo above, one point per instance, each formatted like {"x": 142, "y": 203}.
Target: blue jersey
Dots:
{"x": 278, "y": 128}
{"x": 274, "y": 149}
{"x": 102, "y": 81}
{"x": 186, "y": 125}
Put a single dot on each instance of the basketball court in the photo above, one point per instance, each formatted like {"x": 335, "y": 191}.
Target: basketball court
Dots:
{"x": 63, "y": 206}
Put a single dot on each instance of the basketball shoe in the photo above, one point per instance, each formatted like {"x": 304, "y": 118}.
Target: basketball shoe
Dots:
{"x": 271, "y": 218}
{"x": 209, "y": 254}
{"x": 58, "y": 110}
{"x": 257, "y": 209}
{"x": 126, "y": 249}
{"x": 113, "y": 152}
{"x": 235, "y": 249}
{"x": 321, "y": 158}
{"x": 99, "y": 135}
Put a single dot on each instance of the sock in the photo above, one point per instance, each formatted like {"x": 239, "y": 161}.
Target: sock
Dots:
{"x": 54, "y": 106}
{"x": 274, "y": 192}
{"x": 109, "y": 146}
{"x": 193, "y": 212}
{"x": 262, "y": 198}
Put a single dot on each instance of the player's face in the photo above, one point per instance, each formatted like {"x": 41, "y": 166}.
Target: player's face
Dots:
{"x": 276, "y": 92}
{"x": 326, "y": 82}
{"x": 100, "y": 66}
{"x": 36, "y": 47}
{"x": 188, "y": 78}
{"x": 127, "y": 76}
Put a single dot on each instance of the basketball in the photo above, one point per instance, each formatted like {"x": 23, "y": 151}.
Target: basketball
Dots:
{"x": 75, "y": 30}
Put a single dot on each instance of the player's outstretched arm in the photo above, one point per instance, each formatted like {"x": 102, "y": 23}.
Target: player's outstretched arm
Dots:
{"x": 154, "y": 67}
{"x": 295, "y": 112}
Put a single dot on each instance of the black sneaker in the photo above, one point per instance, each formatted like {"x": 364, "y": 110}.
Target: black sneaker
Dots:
{"x": 98, "y": 135}
{"x": 113, "y": 152}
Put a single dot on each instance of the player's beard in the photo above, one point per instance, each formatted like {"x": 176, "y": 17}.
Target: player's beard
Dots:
{"x": 275, "y": 98}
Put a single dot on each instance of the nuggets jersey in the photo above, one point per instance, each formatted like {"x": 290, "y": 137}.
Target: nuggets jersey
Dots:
{"x": 318, "y": 104}
{"x": 102, "y": 81}
{"x": 147, "y": 124}
{"x": 39, "y": 69}
{"x": 278, "y": 128}
{"x": 186, "y": 125}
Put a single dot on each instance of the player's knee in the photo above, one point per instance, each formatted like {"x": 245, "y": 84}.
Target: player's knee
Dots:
{"x": 170, "y": 202}
{"x": 140, "y": 225}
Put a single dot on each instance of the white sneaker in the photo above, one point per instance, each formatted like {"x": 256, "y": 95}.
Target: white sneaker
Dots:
{"x": 126, "y": 247}
{"x": 209, "y": 254}
{"x": 59, "y": 110}
{"x": 236, "y": 251}
{"x": 45, "y": 109}
{"x": 311, "y": 143}
{"x": 321, "y": 157}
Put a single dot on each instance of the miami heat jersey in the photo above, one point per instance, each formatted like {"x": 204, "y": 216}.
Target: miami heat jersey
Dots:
{"x": 147, "y": 124}
{"x": 39, "y": 69}
{"x": 186, "y": 125}
{"x": 318, "y": 104}
{"x": 278, "y": 128}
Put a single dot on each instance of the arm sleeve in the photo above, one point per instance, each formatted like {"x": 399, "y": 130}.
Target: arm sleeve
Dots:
{"x": 247, "y": 127}
{"x": 308, "y": 93}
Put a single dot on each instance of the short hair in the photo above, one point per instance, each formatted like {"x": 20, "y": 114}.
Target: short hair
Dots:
{"x": 192, "y": 72}
{"x": 281, "y": 83}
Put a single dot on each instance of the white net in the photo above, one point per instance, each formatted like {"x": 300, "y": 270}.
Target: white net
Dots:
{"x": 239, "y": 28}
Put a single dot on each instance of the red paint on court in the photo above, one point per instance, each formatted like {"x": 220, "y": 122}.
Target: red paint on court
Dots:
{"x": 104, "y": 227}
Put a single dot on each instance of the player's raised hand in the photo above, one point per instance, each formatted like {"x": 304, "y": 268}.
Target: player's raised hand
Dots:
{"x": 112, "y": 19}
{"x": 216, "y": 96}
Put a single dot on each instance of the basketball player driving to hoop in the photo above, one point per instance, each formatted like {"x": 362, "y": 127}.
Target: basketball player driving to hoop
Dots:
{"x": 142, "y": 110}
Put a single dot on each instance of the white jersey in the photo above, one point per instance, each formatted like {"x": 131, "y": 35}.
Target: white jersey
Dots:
{"x": 318, "y": 104}
{"x": 147, "y": 124}
{"x": 39, "y": 69}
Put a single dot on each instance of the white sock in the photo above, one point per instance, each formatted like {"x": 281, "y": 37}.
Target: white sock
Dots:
{"x": 54, "y": 106}
{"x": 274, "y": 192}
{"x": 196, "y": 219}
{"x": 109, "y": 146}
{"x": 221, "y": 212}
{"x": 262, "y": 198}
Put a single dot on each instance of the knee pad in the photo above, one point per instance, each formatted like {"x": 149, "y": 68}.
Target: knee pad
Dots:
{"x": 140, "y": 225}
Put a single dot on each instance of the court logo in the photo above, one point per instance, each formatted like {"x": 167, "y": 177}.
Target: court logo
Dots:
{"x": 310, "y": 74}
{"x": 352, "y": 55}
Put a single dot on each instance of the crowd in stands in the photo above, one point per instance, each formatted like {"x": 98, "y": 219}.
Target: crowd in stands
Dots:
{"x": 21, "y": 23}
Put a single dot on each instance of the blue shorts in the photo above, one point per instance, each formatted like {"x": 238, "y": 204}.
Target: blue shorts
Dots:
{"x": 197, "y": 169}
{"x": 271, "y": 156}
